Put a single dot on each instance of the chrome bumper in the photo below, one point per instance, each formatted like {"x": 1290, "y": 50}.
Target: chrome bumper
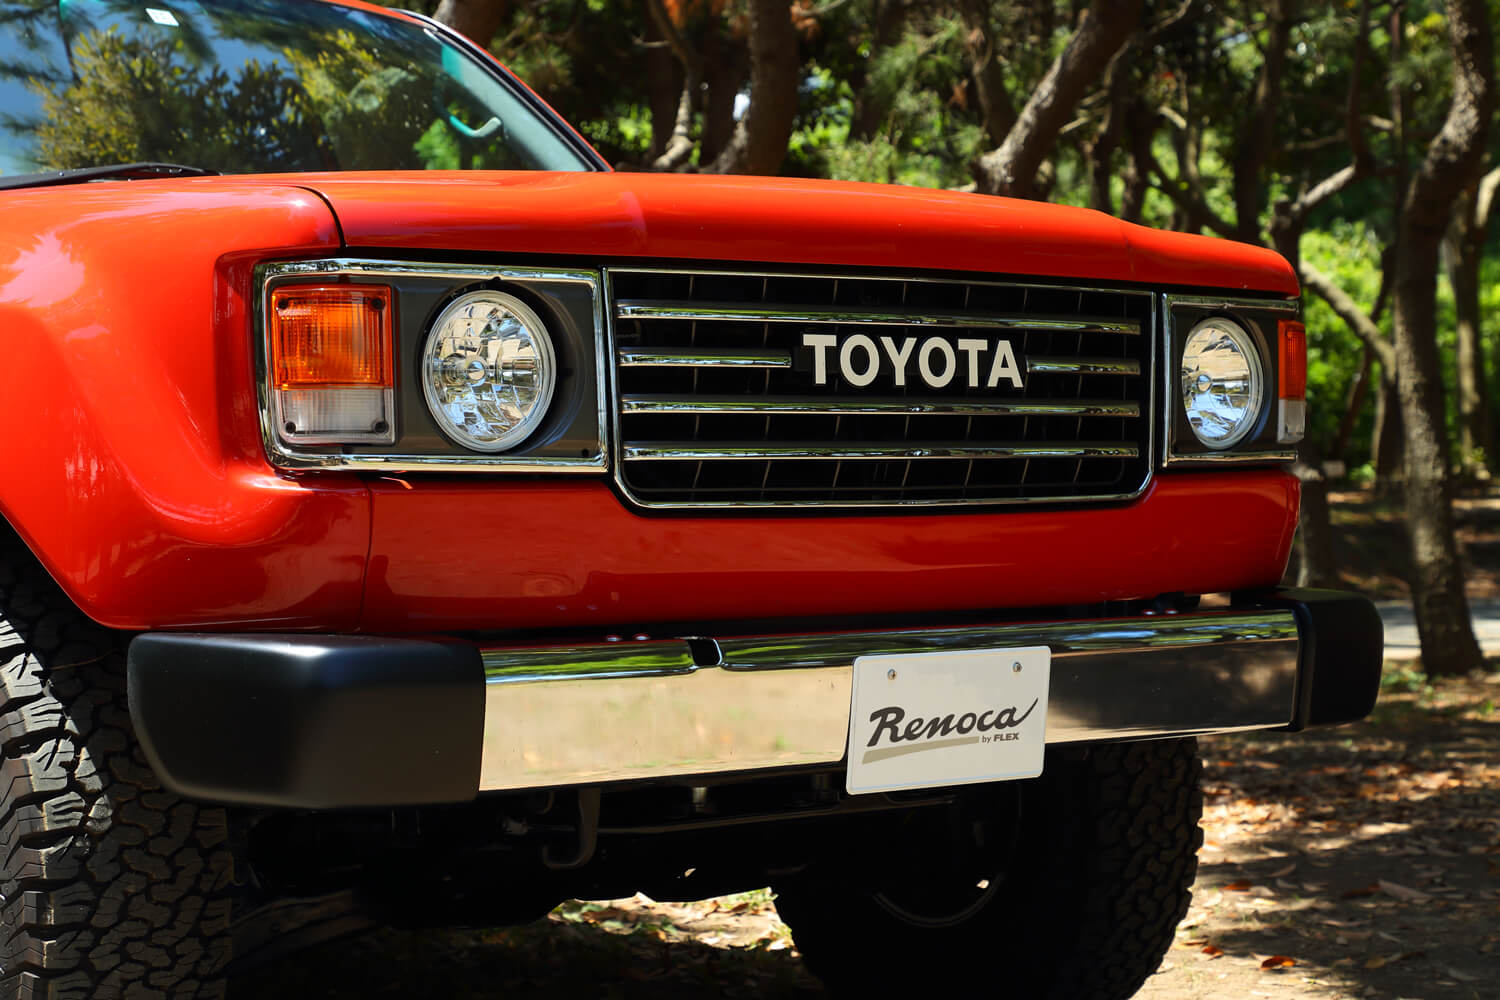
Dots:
{"x": 568, "y": 715}
{"x": 336, "y": 721}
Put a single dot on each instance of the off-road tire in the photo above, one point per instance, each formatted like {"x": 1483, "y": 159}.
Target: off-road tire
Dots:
{"x": 112, "y": 887}
{"x": 1092, "y": 886}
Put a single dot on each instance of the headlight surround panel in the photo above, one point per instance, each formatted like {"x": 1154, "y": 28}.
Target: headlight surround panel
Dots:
{"x": 1258, "y": 319}
{"x": 568, "y": 433}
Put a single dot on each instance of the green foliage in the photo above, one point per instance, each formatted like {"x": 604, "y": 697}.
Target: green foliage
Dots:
{"x": 1349, "y": 252}
{"x": 138, "y": 100}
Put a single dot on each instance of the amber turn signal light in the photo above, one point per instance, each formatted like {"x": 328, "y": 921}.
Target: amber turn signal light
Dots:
{"x": 1291, "y": 383}
{"x": 331, "y": 337}
{"x": 331, "y": 366}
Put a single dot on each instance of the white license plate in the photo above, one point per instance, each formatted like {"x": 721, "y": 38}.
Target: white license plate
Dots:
{"x": 920, "y": 720}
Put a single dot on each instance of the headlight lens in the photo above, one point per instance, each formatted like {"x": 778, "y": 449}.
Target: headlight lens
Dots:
{"x": 488, "y": 370}
{"x": 1222, "y": 383}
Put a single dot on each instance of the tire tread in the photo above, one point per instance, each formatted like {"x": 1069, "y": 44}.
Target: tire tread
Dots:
{"x": 110, "y": 887}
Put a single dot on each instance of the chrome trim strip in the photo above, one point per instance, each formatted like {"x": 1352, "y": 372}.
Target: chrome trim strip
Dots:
{"x": 642, "y": 357}
{"x": 688, "y": 451}
{"x": 1085, "y": 366}
{"x": 1153, "y": 436}
{"x": 1293, "y": 306}
{"x": 1168, "y": 353}
{"x": 814, "y": 405}
{"x": 653, "y": 309}
{"x": 282, "y": 456}
{"x": 1232, "y": 458}
{"x": 568, "y": 715}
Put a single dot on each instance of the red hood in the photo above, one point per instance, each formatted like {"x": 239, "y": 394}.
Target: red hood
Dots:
{"x": 777, "y": 220}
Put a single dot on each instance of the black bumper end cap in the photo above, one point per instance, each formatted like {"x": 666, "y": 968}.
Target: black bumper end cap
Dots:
{"x": 1343, "y": 647}
{"x": 309, "y": 722}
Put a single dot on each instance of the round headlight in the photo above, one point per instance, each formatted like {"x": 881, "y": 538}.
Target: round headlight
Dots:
{"x": 1222, "y": 383}
{"x": 488, "y": 370}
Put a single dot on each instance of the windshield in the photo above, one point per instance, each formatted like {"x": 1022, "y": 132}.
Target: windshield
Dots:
{"x": 253, "y": 86}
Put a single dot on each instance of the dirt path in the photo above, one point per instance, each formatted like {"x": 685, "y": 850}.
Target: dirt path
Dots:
{"x": 1369, "y": 856}
{"x": 1357, "y": 862}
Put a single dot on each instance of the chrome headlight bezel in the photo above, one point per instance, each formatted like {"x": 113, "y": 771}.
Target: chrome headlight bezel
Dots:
{"x": 569, "y": 436}
{"x": 1257, "y": 318}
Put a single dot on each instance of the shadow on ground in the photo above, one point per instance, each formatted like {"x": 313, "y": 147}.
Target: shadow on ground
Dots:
{"x": 550, "y": 959}
{"x": 1367, "y": 857}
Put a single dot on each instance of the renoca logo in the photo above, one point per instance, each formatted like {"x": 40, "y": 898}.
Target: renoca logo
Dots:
{"x": 922, "y": 734}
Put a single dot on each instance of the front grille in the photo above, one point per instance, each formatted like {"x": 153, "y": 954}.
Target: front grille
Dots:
{"x": 719, "y": 403}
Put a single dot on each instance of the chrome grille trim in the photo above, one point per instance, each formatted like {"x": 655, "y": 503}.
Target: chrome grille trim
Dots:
{"x": 673, "y": 451}
{"x": 682, "y": 377}
{"x": 637, "y": 358}
{"x": 844, "y": 407}
{"x": 1084, "y": 366}
{"x": 864, "y": 317}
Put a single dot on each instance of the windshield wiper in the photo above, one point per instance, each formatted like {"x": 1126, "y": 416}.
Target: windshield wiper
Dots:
{"x": 112, "y": 172}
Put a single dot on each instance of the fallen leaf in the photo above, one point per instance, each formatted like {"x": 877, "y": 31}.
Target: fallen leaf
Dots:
{"x": 1243, "y": 885}
{"x": 1403, "y": 893}
{"x": 1368, "y": 890}
{"x": 1213, "y": 950}
{"x": 1277, "y": 962}
{"x": 1283, "y": 872}
{"x": 1375, "y": 962}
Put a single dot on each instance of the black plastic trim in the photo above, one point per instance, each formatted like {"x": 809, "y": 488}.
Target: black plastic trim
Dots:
{"x": 1342, "y": 648}
{"x": 311, "y": 722}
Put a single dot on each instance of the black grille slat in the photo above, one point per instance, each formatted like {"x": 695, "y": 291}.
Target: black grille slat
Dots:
{"x": 717, "y": 404}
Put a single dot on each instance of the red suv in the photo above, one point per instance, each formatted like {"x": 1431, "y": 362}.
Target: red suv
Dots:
{"x": 408, "y": 518}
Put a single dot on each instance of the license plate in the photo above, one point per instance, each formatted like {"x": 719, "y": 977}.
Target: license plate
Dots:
{"x": 920, "y": 720}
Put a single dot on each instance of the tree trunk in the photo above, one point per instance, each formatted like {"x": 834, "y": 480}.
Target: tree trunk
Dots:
{"x": 1353, "y": 403}
{"x": 759, "y": 143}
{"x": 663, "y": 87}
{"x": 1316, "y": 566}
{"x": 989, "y": 77}
{"x": 1388, "y": 440}
{"x": 724, "y": 72}
{"x": 679, "y": 145}
{"x": 479, "y": 19}
{"x": 872, "y": 104}
{"x": 1012, "y": 168}
{"x": 1137, "y": 177}
{"x": 1452, "y": 162}
{"x": 1253, "y": 141}
{"x": 1464, "y": 248}
{"x": 1099, "y": 151}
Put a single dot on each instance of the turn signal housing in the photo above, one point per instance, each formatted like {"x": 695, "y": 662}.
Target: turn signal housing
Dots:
{"x": 1291, "y": 382}
{"x": 332, "y": 368}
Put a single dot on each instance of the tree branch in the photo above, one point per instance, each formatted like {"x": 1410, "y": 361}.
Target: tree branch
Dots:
{"x": 1186, "y": 198}
{"x": 679, "y": 147}
{"x": 1359, "y": 322}
{"x": 1484, "y": 203}
{"x": 1102, "y": 30}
